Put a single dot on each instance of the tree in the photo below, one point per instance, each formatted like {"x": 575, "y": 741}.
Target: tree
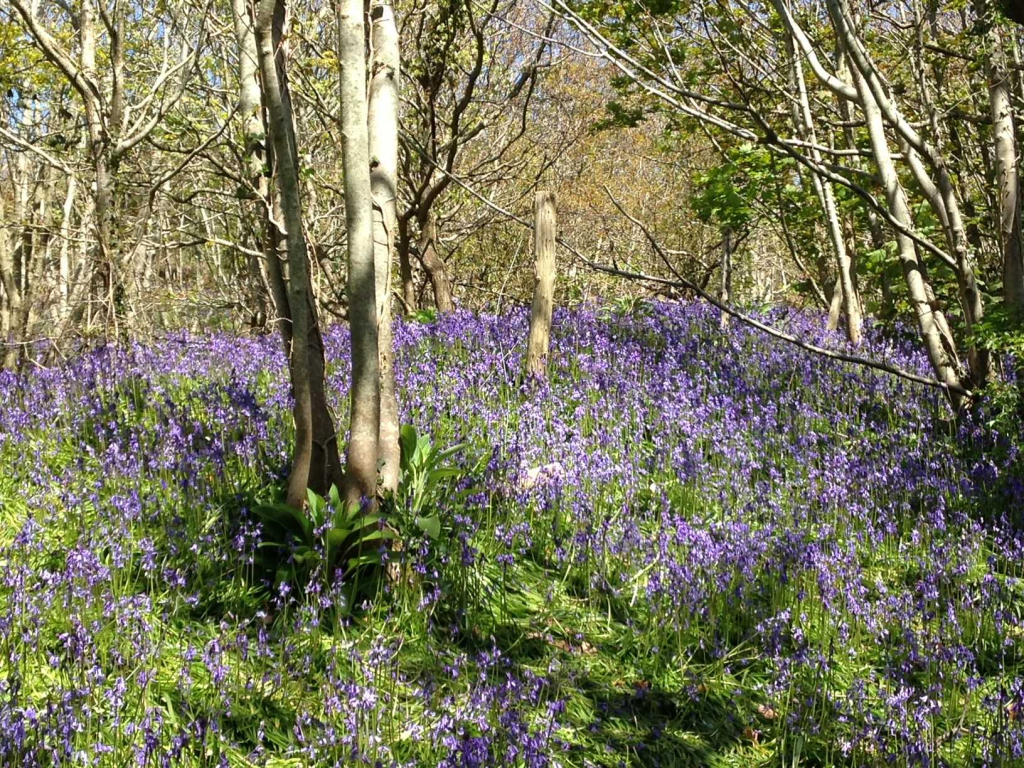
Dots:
{"x": 361, "y": 474}
{"x": 382, "y": 112}
{"x": 315, "y": 461}
{"x": 119, "y": 116}
{"x": 470, "y": 85}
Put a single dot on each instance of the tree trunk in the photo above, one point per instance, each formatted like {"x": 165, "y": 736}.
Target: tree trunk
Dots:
{"x": 65, "y": 266}
{"x": 405, "y": 265}
{"x": 382, "y": 116}
{"x": 253, "y": 136}
{"x": 835, "y": 306}
{"x": 544, "y": 229}
{"x": 435, "y": 268}
{"x": 12, "y": 297}
{"x": 826, "y": 196}
{"x": 930, "y": 321}
{"x": 361, "y": 474}
{"x": 314, "y": 461}
{"x": 1007, "y": 176}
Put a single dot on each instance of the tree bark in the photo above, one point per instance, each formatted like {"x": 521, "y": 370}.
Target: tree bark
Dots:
{"x": 435, "y": 267}
{"x": 253, "y": 159}
{"x": 544, "y": 232}
{"x": 65, "y": 266}
{"x": 382, "y": 117}
{"x": 405, "y": 266}
{"x": 12, "y": 297}
{"x": 314, "y": 461}
{"x": 1004, "y": 141}
{"x": 361, "y": 472}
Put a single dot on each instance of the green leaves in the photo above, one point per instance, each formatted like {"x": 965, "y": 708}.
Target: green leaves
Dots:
{"x": 425, "y": 485}
{"x": 430, "y": 525}
{"x": 728, "y": 192}
{"x": 325, "y": 533}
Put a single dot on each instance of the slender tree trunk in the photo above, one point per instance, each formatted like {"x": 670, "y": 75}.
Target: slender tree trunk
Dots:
{"x": 382, "y": 116}
{"x": 312, "y": 463}
{"x": 1004, "y": 141}
{"x": 12, "y": 296}
{"x": 826, "y": 195}
{"x": 361, "y": 473}
{"x": 435, "y": 267}
{"x": 930, "y": 321}
{"x": 544, "y": 232}
{"x": 65, "y": 248}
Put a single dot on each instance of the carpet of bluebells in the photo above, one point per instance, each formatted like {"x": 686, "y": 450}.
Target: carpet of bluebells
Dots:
{"x": 688, "y": 547}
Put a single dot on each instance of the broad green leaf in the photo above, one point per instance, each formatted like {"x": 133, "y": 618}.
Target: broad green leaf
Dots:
{"x": 430, "y": 525}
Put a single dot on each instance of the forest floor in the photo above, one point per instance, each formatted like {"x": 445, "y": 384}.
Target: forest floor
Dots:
{"x": 688, "y": 547}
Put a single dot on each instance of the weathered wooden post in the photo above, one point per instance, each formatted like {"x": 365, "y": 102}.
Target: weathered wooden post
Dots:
{"x": 544, "y": 226}
{"x": 725, "y": 294}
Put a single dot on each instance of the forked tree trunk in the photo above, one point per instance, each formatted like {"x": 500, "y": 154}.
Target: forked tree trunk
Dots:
{"x": 382, "y": 112}
{"x": 544, "y": 230}
{"x": 435, "y": 268}
{"x": 361, "y": 472}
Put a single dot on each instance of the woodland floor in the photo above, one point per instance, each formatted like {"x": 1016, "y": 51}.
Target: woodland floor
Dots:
{"x": 687, "y": 548}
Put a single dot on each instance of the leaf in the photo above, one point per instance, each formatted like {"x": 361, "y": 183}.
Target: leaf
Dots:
{"x": 289, "y": 518}
{"x": 367, "y": 520}
{"x": 371, "y": 558}
{"x": 407, "y": 442}
{"x": 317, "y": 505}
{"x": 383, "y": 533}
{"x": 422, "y": 451}
{"x": 449, "y": 452}
{"x": 336, "y": 537}
{"x": 345, "y": 514}
{"x": 441, "y": 473}
{"x": 430, "y": 525}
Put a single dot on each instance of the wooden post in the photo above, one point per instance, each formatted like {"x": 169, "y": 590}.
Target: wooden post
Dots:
{"x": 725, "y": 294}
{"x": 544, "y": 226}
